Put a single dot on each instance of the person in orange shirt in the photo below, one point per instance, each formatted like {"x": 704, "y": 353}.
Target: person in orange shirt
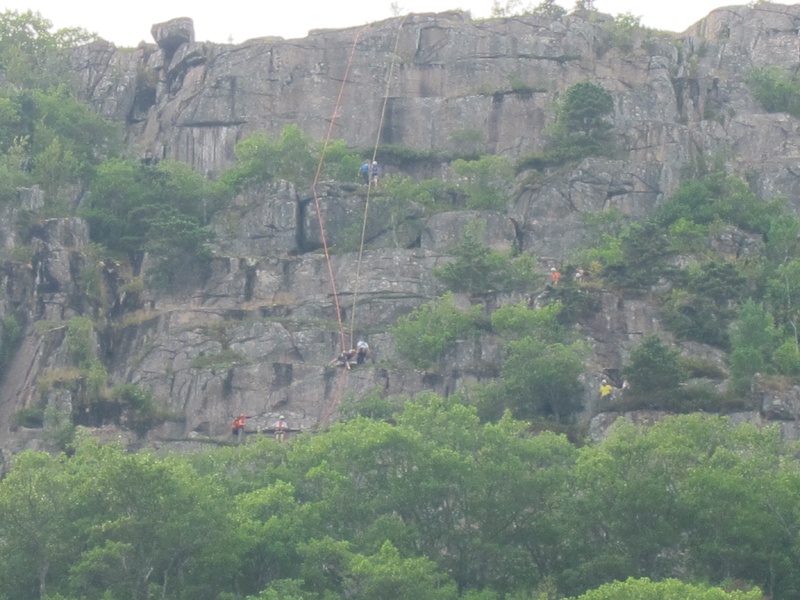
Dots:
{"x": 554, "y": 275}
{"x": 237, "y": 428}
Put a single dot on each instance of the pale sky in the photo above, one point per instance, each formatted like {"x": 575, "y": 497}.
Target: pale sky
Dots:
{"x": 127, "y": 22}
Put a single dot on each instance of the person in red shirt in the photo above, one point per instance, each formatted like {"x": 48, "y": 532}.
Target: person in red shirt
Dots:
{"x": 237, "y": 428}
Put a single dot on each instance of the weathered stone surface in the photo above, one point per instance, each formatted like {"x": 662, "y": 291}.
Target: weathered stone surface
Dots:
{"x": 444, "y": 231}
{"x": 172, "y": 34}
{"x": 258, "y": 334}
{"x": 600, "y": 425}
{"x": 261, "y": 221}
{"x": 778, "y": 402}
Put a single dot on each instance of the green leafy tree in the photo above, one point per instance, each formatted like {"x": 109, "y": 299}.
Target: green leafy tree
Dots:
{"x": 643, "y": 250}
{"x": 181, "y": 245}
{"x": 272, "y": 528}
{"x": 623, "y": 31}
{"x": 786, "y": 358}
{"x": 752, "y": 340}
{"x": 429, "y": 332}
{"x": 674, "y": 497}
{"x": 541, "y": 379}
{"x": 479, "y": 269}
{"x": 37, "y": 537}
{"x": 152, "y": 523}
{"x": 668, "y": 589}
{"x": 655, "y": 373}
{"x": 12, "y": 174}
{"x": 515, "y": 321}
{"x": 485, "y": 181}
{"x": 775, "y": 89}
{"x": 705, "y": 309}
{"x": 340, "y": 163}
{"x": 166, "y": 205}
{"x": 260, "y": 159}
{"x": 715, "y": 196}
{"x": 783, "y": 239}
{"x": 549, "y": 8}
{"x": 582, "y": 127}
{"x": 31, "y": 53}
{"x": 783, "y": 296}
{"x": 388, "y": 576}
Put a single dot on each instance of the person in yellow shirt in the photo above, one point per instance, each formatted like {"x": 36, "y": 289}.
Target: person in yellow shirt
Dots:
{"x": 606, "y": 390}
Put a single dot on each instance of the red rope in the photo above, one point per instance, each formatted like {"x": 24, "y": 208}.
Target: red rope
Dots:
{"x": 316, "y": 195}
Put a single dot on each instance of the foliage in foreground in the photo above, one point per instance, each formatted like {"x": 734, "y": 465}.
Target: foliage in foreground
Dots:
{"x": 434, "y": 505}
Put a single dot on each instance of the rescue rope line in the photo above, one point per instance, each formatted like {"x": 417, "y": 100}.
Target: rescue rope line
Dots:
{"x": 323, "y": 234}
{"x": 336, "y": 399}
{"x": 369, "y": 184}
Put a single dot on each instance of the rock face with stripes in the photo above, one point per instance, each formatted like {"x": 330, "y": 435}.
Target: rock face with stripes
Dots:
{"x": 256, "y": 336}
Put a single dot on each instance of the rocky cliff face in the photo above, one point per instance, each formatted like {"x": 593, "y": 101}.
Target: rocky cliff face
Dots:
{"x": 257, "y": 335}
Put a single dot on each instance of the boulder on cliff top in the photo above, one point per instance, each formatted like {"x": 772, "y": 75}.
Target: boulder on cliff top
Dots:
{"x": 171, "y": 34}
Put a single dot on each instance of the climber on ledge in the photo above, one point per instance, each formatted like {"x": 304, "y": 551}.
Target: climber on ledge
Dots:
{"x": 280, "y": 428}
{"x": 362, "y": 352}
{"x": 345, "y": 359}
{"x": 376, "y": 171}
{"x": 237, "y": 428}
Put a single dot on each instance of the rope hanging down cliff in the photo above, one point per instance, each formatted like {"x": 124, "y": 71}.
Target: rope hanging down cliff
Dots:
{"x": 339, "y": 390}
{"x": 369, "y": 184}
{"x": 322, "y": 232}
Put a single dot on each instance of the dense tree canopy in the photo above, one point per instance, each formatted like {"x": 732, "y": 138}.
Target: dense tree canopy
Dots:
{"x": 434, "y": 505}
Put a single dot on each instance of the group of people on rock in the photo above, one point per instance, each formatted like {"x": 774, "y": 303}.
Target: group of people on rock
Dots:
{"x": 354, "y": 356}
{"x": 607, "y": 390}
{"x": 279, "y": 428}
{"x": 347, "y": 360}
{"x": 555, "y": 276}
{"x": 370, "y": 173}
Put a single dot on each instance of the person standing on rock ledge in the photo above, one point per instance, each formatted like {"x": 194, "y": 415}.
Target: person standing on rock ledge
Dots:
{"x": 376, "y": 171}
{"x": 362, "y": 352}
{"x": 280, "y": 428}
{"x": 237, "y": 428}
{"x": 365, "y": 169}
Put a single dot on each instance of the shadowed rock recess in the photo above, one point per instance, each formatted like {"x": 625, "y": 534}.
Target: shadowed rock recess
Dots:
{"x": 257, "y": 334}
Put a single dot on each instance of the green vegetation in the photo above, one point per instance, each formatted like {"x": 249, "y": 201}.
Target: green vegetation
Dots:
{"x": 582, "y": 128}
{"x": 9, "y": 339}
{"x": 425, "y": 497}
{"x": 433, "y": 505}
{"x": 292, "y": 157}
{"x": 775, "y": 89}
{"x": 485, "y": 181}
{"x": 753, "y": 341}
{"x": 225, "y": 359}
{"x": 546, "y": 8}
{"x": 426, "y": 335}
{"x": 539, "y": 375}
{"x": 479, "y": 269}
{"x": 655, "y": 374}
{"x": 624, "y": 31}
{"x": 645, "y": 589}
{"x": 31, "y": 53}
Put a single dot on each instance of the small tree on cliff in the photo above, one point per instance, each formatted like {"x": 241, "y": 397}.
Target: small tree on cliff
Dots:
{"x": 582, "y": 127}
{"x": 655, "y": 372}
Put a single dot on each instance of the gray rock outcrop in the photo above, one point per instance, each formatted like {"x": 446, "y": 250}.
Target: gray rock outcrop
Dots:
{"x": 258, "y": 334}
